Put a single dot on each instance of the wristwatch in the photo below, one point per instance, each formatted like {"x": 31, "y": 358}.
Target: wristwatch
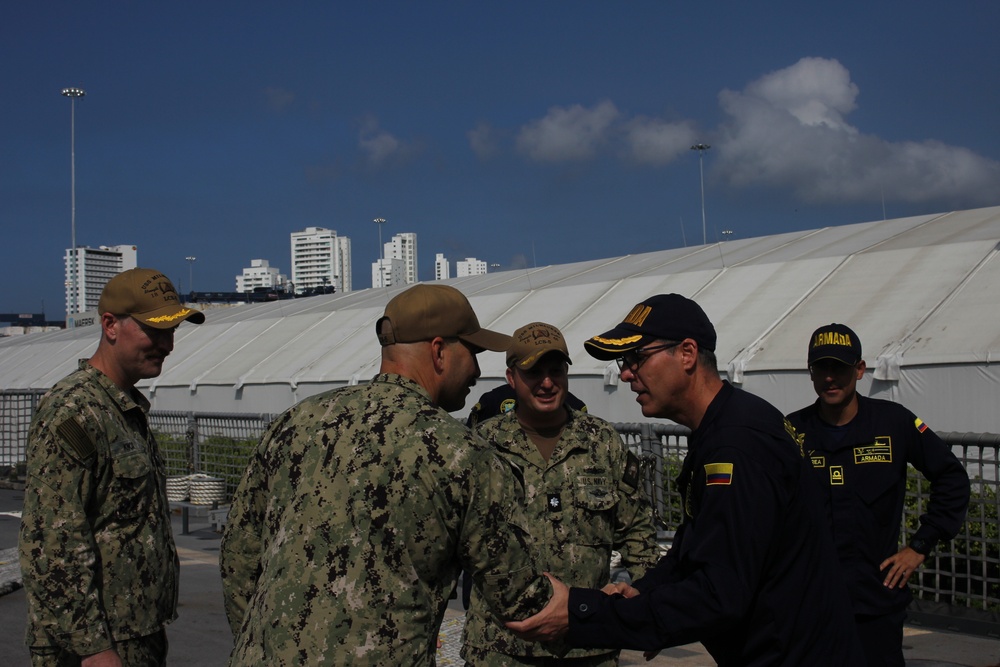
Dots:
{"x": 921, "y": 546}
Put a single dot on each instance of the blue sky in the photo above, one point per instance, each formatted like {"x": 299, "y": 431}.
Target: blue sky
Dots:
{"x": 520, "y": 133}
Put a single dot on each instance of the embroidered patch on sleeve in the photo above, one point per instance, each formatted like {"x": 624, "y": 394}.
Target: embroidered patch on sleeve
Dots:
{"x": 718, "y": 473}
{"x": 919, "y": 423}
{"x": 631, "y": 475}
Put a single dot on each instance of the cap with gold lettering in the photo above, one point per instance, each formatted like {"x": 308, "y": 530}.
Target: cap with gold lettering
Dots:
{"x": 149, "y": 297}
{"x": 532, "y": 342}
{"x": 835, "y": 341}
{"x": 662, "y": 317}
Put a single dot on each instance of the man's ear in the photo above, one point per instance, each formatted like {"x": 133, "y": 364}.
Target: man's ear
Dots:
{"x": 438, "y": 347}
{"x": 510, "y": 376}
{"x": 109, "y": 326}
{"x": 689, "y": 351}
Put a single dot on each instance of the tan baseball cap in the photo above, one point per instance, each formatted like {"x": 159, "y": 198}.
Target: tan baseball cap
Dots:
{"x": 532, "y": 342}
{"x": 149, "y": 297}
{"x": 424, "y": 312}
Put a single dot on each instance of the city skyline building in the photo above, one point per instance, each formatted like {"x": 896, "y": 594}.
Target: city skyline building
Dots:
{"x": 442, "y": 268}
{"x": 403, "y": 246}
{"x": 320, "y": 259}
{"x": 89, "y": 269}
{"x": 388, "y": 271}
{"x": 261, "y": 274}
{"x": 470, "y": 266}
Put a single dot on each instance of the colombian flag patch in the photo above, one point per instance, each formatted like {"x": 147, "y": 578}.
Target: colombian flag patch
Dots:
{"x": 919, "y": 423}
{"x": 718, "y": 473}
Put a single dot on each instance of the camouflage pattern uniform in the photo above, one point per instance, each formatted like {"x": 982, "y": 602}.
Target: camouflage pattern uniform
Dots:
{"x": 355, "y": 515}
{"x": 96, "y": 547}
{"x": 581, "y": 504}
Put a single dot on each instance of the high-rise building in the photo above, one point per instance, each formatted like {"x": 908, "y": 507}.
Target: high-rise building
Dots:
{"x": 470, "y": 266}
{"x": 320, "y": 259}
{"x": 260, "y": 273}
{"x": 404, "y": 247}
{"x": 442, "y": 269}
{"x": 387, "y": 272}
{"x": 344, "y": 263}
{"x": 89, "y": 269}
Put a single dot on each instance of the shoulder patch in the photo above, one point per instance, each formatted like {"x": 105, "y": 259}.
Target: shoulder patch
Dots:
{"x": 718, "y": 473}
{"x": 630, "y": 477}
{"x": 507, "y": 405}
{"x": 77, "y": 438}
{"x": 919, "y": 423}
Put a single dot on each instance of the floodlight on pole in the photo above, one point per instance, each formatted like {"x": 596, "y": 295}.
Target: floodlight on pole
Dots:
{"x": 190, "y": 260}
{"x": 73, "y": 94}
{"x": 701, "y": 148}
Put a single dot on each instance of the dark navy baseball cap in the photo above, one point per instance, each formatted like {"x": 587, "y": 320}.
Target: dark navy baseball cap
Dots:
{"x": 662, "y": 317}
{"x": 835, "y": 341}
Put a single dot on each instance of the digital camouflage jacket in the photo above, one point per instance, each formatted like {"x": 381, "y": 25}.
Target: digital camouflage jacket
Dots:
{"x": 581, "y": 504}
{"x": 96, "y": 549}
{"x": 356, "y": 513}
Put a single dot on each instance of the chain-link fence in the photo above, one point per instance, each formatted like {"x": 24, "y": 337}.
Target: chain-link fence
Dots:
{"x": 962, "y": 578}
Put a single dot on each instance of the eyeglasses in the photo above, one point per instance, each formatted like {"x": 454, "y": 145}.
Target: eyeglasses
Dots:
{"x": 633, "y": 359}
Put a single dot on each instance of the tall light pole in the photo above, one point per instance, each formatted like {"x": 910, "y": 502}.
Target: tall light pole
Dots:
{"x": 190, "y": 261}
{"x": 72, "y": 94}
{"x": 381, "y": 269}
{"x": 701, "y": 148}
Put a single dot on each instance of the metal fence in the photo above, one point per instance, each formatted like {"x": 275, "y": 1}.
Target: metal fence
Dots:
{"x": 962, "y": 578}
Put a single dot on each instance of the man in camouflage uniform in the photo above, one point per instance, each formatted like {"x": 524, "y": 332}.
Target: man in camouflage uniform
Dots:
{"x": 361, "y": 505}
{"x": 98, "y": 558}
{"x": 583, "y": 496}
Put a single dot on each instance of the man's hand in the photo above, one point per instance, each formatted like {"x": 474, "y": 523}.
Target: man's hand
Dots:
{"x": 620, "y": 588}
{"x": 552, "y": 622}
{"x": 108, "y": 658}
{"x": 901, "y": 567}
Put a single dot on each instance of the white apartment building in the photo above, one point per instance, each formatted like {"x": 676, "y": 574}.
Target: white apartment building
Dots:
{"x": 388, "y": 272}
{"x": 89, "y": 269}
{"x": 404, "y": 247}
{"x": 470, "y": 266}
{"x": 344, "y": 263}
{"x": 442, "y": 268}
{"x": 260, "y": 273}
{"x": 320, "y": 258}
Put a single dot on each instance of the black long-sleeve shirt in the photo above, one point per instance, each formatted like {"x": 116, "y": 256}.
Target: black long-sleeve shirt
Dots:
{"x": 752, "y": 573}
{"x": 860, "y": 470}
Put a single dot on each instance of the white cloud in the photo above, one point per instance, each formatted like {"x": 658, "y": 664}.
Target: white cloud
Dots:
{"x": 381, "y": 148}
{"x": 567, "y": 133}
{"x": 278, "y": 99}
{"x": 789, "y": 130}
{"x": 657, "y": 142}
{"x": 484, "y": 140}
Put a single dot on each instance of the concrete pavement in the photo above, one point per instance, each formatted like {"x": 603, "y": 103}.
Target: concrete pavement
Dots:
{"x": 201, "y": 638}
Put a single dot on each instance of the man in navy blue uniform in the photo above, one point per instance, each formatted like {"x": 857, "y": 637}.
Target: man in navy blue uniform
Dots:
{"x": 859, "y": 448}
{"x": 751, "y": 573}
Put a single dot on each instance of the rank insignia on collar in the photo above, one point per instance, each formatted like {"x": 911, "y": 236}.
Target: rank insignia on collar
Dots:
{"x": 555, "y": 504}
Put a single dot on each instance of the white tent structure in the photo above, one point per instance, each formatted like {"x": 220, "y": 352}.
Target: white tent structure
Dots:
{"x": 923, "y": 294}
